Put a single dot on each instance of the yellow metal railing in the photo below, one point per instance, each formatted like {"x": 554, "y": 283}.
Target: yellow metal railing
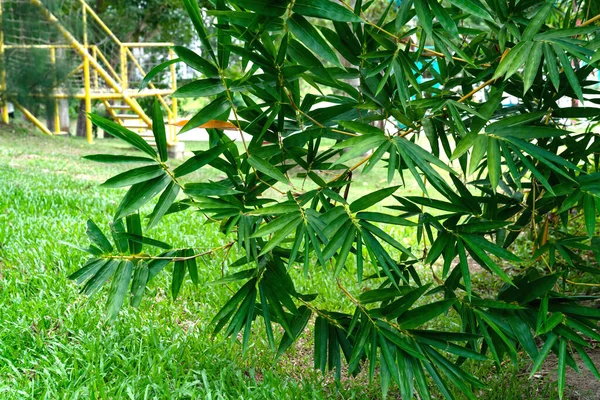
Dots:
{"x": 102, "y": 79}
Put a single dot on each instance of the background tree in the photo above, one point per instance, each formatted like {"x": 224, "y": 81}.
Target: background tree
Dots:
{"x": 149, "y": 21}
{"x": 492, "y": 174}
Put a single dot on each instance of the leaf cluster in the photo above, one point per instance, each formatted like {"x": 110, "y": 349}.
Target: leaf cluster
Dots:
{"x": 421, "y": 93}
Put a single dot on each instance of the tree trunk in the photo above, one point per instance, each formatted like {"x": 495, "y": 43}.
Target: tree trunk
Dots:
{"x": 50, "y": 116}
{"x": 80, "y": 131}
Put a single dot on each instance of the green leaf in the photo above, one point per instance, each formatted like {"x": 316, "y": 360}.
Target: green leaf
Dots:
{"x": 281, "y": 234}
{"x": 537, "y": 21}
{"x": 200, "y": 88}
{"x": 325, "y": 9}
{"x": 273, "y": 8}
{"x": 553, "y": 73}
{"x": 275, "y": 225}
{"x": 103, "y": 274}
{"x": 565, "y": 33}
{"x": 532, "y": 66}
{"x": 345, "y": 250}
{"x": 472, "y": 7}
{"x": 384, "y": 218}
{"x": 122, "y": 133}
{"x": 158, "y": 129}
{"x": 90, "y": 268}
{"x": 424, "y": 16}
{"x": 571, "y": 77}
{"x": 97, "y": 237}
{"x": 179, "y": 271}
{"x": 464, "y": 145}
{"x": 195, "y": 15}
{"x": 444, "y": 18}
{"x": 191, "y": 265}
{"x": 464, "y": 267}
{"x": 420, "y": 315}
{"x": 156, "y": 70}
{"x": 134, "y": 176}
{"x": 134, "y": 228}
{"x": 117, "y": 159}
{"x": 529, "y": 132}
{"x": 139, "y": 194}
{"x": 562, "y": 359}
{"x": 587, "y": 361}
{"x": 371, "y": 199}
{"x": 361, "y": 127}
{"x": 136, "y": 238}
{"x": 298, "y": 324}
{"x": 358, "y": 146}
{"x": 267, "y": 168}
{"x": 277, "y": 209}
{"x": 118, "y": 289}
{"x": 165, "y": 201}
{"x": 212, "y": 111}
{"x": 200, "y": 159}
{"x": 494, "y": 162}
{"x": 589, "y": 213}
{"x": 138, "y": 285}
{"x": 310, "y": 37}
{"x": 196, "y": 62}
{"x": 474, "y": 247}
{"x": 208, "y": 189}
{"x": 548, "y": 344}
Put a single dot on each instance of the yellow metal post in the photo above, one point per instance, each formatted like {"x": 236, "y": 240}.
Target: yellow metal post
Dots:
{"x": 95, "y": 56}
{"x": 33, "y": 119}
{"x": 124, "y": 72}
{"x": 117, "y": 82}
{"x": 86, "y": 81}
{"x": 56, "y": 114}
{"x": 3, "y": 74}
{"x": 173, "y": 99}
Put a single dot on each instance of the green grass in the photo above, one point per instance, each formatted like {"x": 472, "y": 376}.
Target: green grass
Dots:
{"x": 55, "y": 343}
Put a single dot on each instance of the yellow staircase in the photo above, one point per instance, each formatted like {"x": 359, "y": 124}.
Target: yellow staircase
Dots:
{"x": 109, "y": 71}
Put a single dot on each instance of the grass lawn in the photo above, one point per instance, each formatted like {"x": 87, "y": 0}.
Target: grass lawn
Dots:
{"x": 56, "y": 344}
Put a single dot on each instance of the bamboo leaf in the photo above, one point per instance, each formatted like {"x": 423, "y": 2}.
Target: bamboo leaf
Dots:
{"x": 165, "y": 201}
{"x": 200, "y": 159}
{"x": 157, "y": 70}
{"x": 158, "y": 129}
{"x": 371, "y": 199}
{"x": 267, "y": 168}
{"x": 122, "y": 133}
{"x": 139, "y": 194}
{"x": 420, "y": 315}
{"x": 325, "y": 9}
{"x": 532, "y": 66}
{"x": 212, "y": 111}
{"x": 134, "y": 176}
{"x": 117, "y": 158}
{"x": 571, "y": 77}
{"x": 196, "y": 62}
{"x": 310, "y": 37}
{"x": 472, "y": 7}
{"x": 118, "y": 289}
{"x": 97, "y": 237}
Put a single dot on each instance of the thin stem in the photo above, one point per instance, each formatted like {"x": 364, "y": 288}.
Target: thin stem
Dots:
{"x": 591, "y": 21}
{"x": 138, "y": 257}
{"x": 477, "y": 89}
{"x": 583, "y": 284}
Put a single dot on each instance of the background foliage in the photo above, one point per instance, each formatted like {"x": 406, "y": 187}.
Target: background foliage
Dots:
{"x": 327, "y": 92}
